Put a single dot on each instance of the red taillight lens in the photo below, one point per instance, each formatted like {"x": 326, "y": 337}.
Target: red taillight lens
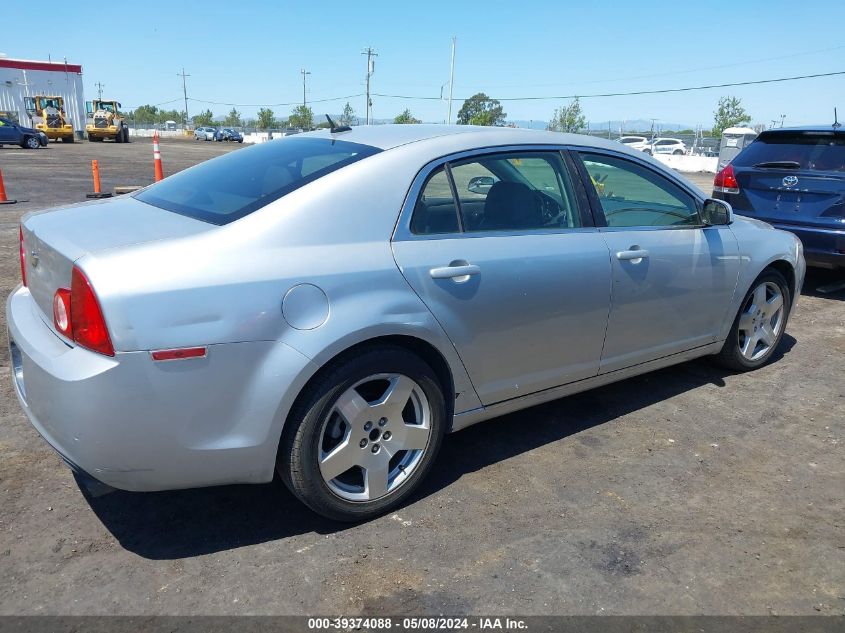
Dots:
{"x": 62, "y": 312}
{"x": 23, "y": 257}
{"x": 725, "y": 181}
{"x": 86, "y": 318}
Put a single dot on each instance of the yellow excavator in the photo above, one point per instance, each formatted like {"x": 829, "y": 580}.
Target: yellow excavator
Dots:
{"x": 48, "y": 115}
{"x": 105, "y": 121}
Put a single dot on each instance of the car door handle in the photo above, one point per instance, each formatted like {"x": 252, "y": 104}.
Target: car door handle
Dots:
{"x": 632, "y": 254}
{"x": 451, "y": 272}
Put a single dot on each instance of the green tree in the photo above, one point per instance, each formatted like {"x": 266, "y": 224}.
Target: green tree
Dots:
{"x": 233, "y": 119}
{"x": 406, "y": 117}
{"x": 480, "y": 109}
{"x": 145, "y": 114}
{"x": 729, "y": 113}
{"x": 170, "y": 115}
{"x": 347, "y": 117}
{"x": 302, "y": 117}
{"x": 266, "y": 119}
{"x": 203, "y": 118}
{"x": 569, "y": 118}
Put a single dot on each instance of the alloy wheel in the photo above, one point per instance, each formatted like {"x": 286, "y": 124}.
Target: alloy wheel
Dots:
{"x": 374, "y": 437}
{"x": 761, "y": 321}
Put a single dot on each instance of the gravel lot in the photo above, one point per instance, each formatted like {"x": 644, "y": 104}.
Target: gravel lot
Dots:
{"x": 685, "y": 491}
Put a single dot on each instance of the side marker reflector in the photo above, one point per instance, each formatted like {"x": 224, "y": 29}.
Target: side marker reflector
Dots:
{"x": 179, "y": 354}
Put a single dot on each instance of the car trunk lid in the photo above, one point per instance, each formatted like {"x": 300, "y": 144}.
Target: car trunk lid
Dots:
{"x": 53, "y": 240}
{"x": 792, "y": 196}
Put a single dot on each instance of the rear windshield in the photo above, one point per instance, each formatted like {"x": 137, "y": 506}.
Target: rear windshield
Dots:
{"x": 232, "y": 186}
{"x": 804, "y": 151}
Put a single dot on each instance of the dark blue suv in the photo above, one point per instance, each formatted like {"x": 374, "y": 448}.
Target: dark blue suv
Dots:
{"x": 794, "y": 179}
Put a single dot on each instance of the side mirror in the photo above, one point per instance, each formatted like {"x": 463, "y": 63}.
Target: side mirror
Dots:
{"x": 717, "y": 212}
{"x": 480, "y": 184}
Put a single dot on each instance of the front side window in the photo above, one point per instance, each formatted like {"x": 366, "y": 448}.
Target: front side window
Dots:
{"x": 632, "y": 195}
{"x": 234, "y": 185}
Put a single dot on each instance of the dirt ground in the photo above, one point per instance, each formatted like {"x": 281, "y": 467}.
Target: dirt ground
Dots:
{"x": 686, "y": 491}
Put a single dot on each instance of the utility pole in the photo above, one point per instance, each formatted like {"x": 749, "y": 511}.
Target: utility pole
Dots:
{"x": 99, "y": 91}
{"x": 185, "y": 94}
{"x": 451, "y": 81}
{"x": 304, "y": 73}
{"x": 371, "y": 66}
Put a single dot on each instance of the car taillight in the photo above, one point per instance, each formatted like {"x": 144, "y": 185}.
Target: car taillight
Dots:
{"x": 61, "y": 312}
{"x": 725, "y": 181}
{"x": 87, "y": 323}
{"x": 23, "y": 257}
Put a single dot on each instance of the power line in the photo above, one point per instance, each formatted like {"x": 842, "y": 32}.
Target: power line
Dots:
{"x": 271, "y": 105}
{"x": 581, "y": 96}
{"x": 632, "y": 93}
{"x": 676, "y": 72}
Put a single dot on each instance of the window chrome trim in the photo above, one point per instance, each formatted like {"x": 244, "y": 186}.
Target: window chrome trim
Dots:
{"x": 402, "y": 232}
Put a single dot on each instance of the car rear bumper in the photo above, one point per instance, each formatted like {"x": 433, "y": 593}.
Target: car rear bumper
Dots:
{"x": 136, "y": 424}
{"x": 824, "y": 248}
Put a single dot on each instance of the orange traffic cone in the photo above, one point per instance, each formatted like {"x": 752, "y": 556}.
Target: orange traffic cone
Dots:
{"x": 3, "y": 198}
{"x": 159, "y": 173}
{"x": 95, "y": 172}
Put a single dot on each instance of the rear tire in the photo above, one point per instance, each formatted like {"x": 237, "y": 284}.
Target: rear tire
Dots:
{"x": 126, "y": 135}
{"x": 759, "y": 325}
{"x": 118, "y": 138}
{"x": 67, "y": 139}
{"x": 388, "y": 391}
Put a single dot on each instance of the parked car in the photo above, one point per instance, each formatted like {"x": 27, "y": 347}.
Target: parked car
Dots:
{"x": 12, "y": 133}
{"x": 205, "y": 134}
{"x": 228, "y": 134}
{"x": 794, "y": 179}
{"x": 634, "y": 142}
{"x": 666, "y": 146}
{"x": 289, "y": 308}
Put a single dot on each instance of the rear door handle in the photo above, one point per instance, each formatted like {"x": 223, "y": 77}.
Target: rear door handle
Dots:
{"x": 451, "y": 272}
{"x": 632, "y": 254}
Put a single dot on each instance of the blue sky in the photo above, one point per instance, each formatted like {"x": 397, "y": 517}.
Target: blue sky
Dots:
{"x": 252, "y": 52}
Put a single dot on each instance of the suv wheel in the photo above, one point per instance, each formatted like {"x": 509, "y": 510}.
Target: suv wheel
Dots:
{"x": 31, "y": 142}
{"x": 363, "y": 437}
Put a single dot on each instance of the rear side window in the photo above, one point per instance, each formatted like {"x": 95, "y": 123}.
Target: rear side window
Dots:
{"x": 804, "y": 151}
{"x": 232, "y": 186}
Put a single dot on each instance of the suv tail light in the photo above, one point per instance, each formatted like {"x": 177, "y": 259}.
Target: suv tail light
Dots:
{"x": 77, "y": 315}
{"x": 22, "y": 256}
{"x": 725, "y": 181}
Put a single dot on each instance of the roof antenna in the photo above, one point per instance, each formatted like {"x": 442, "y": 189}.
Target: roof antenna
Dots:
{"x": 335, "y": 128}
{"x": 836, "y": 122}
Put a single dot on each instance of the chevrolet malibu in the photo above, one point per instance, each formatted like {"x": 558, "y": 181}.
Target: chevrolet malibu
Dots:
{"x": 329, "y": 306}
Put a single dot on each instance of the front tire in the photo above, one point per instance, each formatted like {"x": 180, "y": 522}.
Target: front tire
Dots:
{"x": 31, "y": 142}
{"x": 759, "y": 325}
{"x": 364, "y": 435}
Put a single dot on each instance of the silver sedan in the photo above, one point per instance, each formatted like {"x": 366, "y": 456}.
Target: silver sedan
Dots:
{"x": 330, "y": 305}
